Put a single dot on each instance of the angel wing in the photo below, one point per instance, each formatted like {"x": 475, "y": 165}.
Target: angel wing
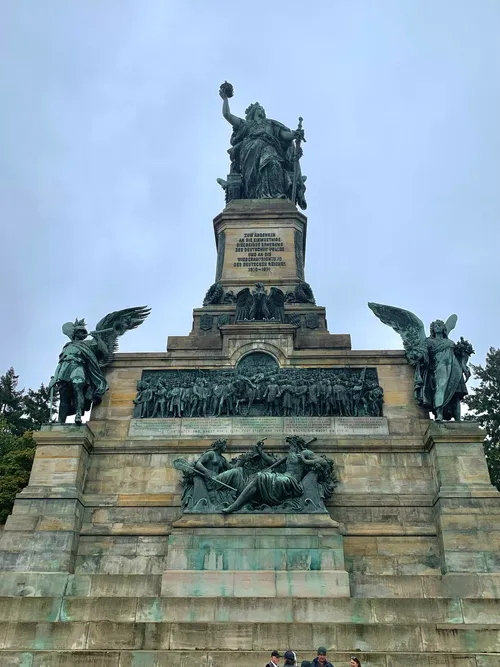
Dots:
{"x": 244, "y": 305}
{"x": 114, "y": 325}
{"x": 276, "y": 304}
{"x": 451, "y": 323}
{"x": 404, "y": 322}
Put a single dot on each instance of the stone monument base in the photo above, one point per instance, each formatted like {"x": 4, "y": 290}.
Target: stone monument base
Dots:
{"x": 264, "y": 555}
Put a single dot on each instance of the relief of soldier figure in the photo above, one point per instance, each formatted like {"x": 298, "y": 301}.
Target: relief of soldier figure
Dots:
{"x": 260, "y": 391}
{"x": 257, "y": 481}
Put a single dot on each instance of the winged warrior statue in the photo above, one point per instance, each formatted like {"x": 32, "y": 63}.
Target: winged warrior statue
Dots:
{"x": 79, "y": 376}
{"x": 441, "y": 369}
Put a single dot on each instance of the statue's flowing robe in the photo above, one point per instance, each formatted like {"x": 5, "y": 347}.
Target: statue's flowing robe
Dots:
{"x": 443, "y": 381}
{"x": 276, "y": 487}
{"x": 265, "y": 161}
{"x": 78, "y": 364}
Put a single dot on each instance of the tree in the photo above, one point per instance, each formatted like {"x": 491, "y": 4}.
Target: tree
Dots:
{"x": 37, "y": 408}
{"x": 484, "y": 404}
{"x": 11, "y": 401}
{"x": 21, "y": 413}
{"x": 16, "y": 459}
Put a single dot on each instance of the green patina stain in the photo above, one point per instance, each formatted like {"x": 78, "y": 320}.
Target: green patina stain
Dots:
{"x": 304, "y": 559}
{"x": 192, "y": 615}
{"x": 471, "y": 638}
{"x": 26, "y": 660}
{"x": 63, "y": 614}
{"x": 53, "y": 613}
{"x": 358, "y": 612}
{"x": 41, "y": 644}
{"x": 198, "y": 559}
{"x": 143, "y": 659}
{"x": 156, "y": 611}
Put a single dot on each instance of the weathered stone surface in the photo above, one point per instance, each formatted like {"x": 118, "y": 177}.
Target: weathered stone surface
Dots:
{"x": 414, "y": 519}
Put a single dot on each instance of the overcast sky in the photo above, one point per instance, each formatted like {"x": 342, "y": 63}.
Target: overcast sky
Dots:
{"x": 111, "y": 140}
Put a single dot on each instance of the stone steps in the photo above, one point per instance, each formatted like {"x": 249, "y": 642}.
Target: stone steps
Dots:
{"x": 194, "y": 658}
{"x": 235, "y": 637}
{"x": 444, "y": 612}
{"x": 59, "y": 584}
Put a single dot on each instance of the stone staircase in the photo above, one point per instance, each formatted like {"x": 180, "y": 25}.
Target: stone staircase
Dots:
{"x": 56, "y": 620}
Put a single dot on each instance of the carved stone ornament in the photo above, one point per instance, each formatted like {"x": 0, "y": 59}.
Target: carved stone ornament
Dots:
{"x": 294, "y": 319}
{"x": 214, "y": 295}
{"x": 312, "y": 320}
{"x": 206, "y": 322}
{"x": 222, "y": 320}
{"x": 257, "y": 482}
{"x": 301, "y": 294}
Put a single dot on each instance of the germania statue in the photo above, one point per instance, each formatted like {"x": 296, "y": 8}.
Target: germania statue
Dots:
{"x": 441, "y": 369}
{"x": 264, "y": 156}
{"x": 79, "y": 376}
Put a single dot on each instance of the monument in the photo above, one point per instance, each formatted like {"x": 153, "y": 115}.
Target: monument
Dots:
{"x": 260, "y": 485}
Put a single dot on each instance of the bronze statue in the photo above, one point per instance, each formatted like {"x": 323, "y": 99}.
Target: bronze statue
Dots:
{"x": 256, "y": 481}
{"x": 79, "y": 376}
{"x": 299, "y": 481}
{"x": 258, "y": 305}
{"x": 264, "y": 158}
{"x": 441, "y": 369}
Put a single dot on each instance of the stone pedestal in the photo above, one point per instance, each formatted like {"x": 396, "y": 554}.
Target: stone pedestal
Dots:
{"x": 255, "y": 555}
{"x": 261, "y": 240}
{"x": 42, "y": 533}
{"x": 466, "y": 505}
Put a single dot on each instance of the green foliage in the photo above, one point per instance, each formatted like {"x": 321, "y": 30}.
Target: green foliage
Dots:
{"x": 21, "y": 413}
{"x": 484, "y": 404}
{"x": 16, "y": 458}
{"x": 11, "y": 401}
{"x": 36, "y": 408}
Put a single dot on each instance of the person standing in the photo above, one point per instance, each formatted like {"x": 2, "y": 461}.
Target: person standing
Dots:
{"x": 321, "y": 660}
{"x": 355, "y": 661}
{"x": 290, "y": 658}
{"x": 275, "y": 659}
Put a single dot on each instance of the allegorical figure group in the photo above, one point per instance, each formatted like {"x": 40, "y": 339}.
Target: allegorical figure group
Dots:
{"x": 300, "y": 481}
{"x": 276, "y": 394}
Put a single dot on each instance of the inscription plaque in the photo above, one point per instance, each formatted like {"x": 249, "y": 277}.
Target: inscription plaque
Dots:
{"x": 257, "y": 426}
{"x": 258, "y": 251}
{"x": 361, "y": 426}
{"x": 205, "y": 426}
{"x": 141, "y": 428}
{"x": 308, "y": 425}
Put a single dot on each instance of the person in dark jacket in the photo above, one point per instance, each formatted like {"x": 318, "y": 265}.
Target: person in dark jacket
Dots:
{"x": 321, "y": 660}
{"x": 275, "y": 659}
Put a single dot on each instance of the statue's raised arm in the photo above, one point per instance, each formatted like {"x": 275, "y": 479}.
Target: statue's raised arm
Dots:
{"x": 79, "y": 377}
{"x": 226, "y": 91}
{"x": 264, "y": 156}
